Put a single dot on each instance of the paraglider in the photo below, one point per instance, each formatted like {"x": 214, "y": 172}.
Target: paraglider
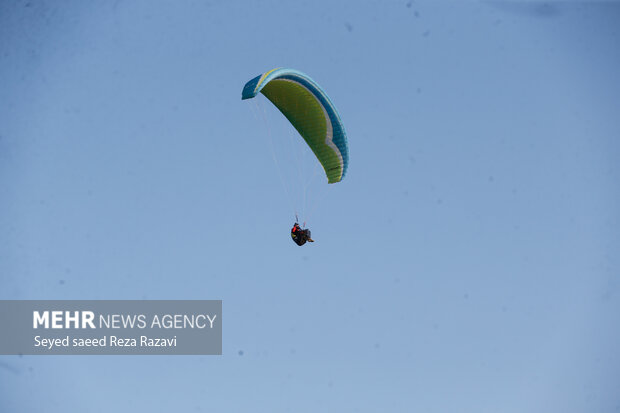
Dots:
{"x": 308, "y": 108}
{"x": 300, "y": 236}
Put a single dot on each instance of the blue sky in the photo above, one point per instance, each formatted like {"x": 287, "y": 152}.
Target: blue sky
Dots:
{"x": 468, "y": 262}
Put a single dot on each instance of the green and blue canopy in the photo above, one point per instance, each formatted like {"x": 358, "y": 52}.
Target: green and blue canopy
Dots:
{"x": 310, "y": 111}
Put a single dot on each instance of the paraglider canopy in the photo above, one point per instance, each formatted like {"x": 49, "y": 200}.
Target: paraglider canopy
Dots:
{"x": 310, "y": 111}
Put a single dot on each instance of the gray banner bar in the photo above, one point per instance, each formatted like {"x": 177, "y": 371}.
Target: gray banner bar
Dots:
{"x": 119, "y": 327}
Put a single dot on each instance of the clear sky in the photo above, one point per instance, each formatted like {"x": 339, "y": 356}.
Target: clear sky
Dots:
{"x": 469, "y": 262}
